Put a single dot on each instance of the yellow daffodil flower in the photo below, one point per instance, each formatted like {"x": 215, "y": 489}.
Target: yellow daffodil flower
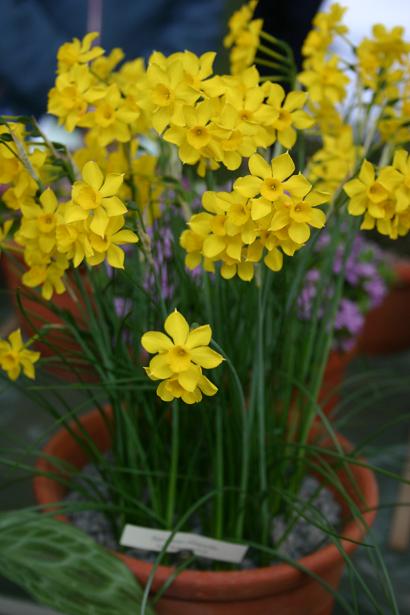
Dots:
{"x": 78, "y": 52}
{"x": 289, "y": 113}
{"x": 15, "y": 357}
{"x": 180, "y": 356}
{"x": 95, "y": 196}
{"x": 272, "y": 180}
{"x": 107, "y": 247}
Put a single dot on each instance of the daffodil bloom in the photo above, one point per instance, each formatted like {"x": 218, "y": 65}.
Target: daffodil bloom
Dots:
{"x": 326, "y": 25}
{"x": 111, "y": 118}
{"x": 324, "y": 80}
{"x": 15, "y": 357}
{"x": 369, "y": 193}
{"x": 180, "y": 356}
{"x": 78, "y": 52}
{"x": 48, "y": 275}
{"x": 71, "y": 96}
{"x": 197, "y": 137}
{"x": 168, "y": 89}
{"x": 39, "y": 222}
{"x": 298, "y": 215}
{"x": 272, "y": 180}
{"x": 96, "y": 195}
{"x": 108, "y": 247}
{"x": 289, "y": 113}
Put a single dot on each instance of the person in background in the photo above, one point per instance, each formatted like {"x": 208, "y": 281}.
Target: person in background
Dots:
{"x": 31, "y": 31}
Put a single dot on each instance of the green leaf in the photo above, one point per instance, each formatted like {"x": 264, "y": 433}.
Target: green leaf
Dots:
{"x": 62, "y": 567}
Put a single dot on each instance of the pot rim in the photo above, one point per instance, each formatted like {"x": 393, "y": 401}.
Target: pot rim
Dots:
{"x": 213, "y": 585}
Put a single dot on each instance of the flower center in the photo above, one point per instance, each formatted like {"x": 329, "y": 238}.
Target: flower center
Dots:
{"x": 46, "y": 223}
{"x": 377, "y": 192}
{"x": 198, "y": 137}
{"x": 10, "y": 360}
{"x": 179, "y": 359}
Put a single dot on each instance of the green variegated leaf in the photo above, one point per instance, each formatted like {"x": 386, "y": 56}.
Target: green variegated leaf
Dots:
{"x": 62, "y": 567}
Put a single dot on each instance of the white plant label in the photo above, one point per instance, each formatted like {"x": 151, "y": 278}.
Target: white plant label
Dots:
{"x": 153, "y": 540}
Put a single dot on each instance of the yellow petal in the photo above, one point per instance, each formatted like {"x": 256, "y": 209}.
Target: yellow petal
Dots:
{"x": 192, "y": 398}
{"x": 259, "y": 167}
{"x": 213, "y": 246}
{"x": 177, "y": 327}
{"x": 299, "y": 232}
{"x": 112, "y": 184}
{"x": 115, "y": 257}
{"x": 15, "y": 340}
{"x": 159, "y": 367}
{"x": 189, "y": 378}
{"x": 297, "y": 186}
{"x": 248, "y": 186}
{"x": 114, "y": 206}
{"x": 201, "y": 336}
{"x": 260, "y": 208}
{"x": 49, "y": 200}
{"x": 366, "y": 174}
{"x": 246, "y": 271}
{"x": 228, "y": 271}
{"x": 206, "y": 357}
{"x": 163, "y": 391}
{"x": 274, "y": 260}
{"x": 155, "y": 341}
{"x": 92, "y": 175}
{"x": 295, "y": 100}
{"x": 207, "y": 387}
{"x": 125, "y": 236}
{"x": 99, "y": 222}
{"x": 282, "y": 167}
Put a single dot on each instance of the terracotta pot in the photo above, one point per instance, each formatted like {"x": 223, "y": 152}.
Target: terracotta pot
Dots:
{"x": 333, "y": 377}
{"x": 387, "y": 327}
{"x": 39, "y": 314}
{"x": 278, "y": 589}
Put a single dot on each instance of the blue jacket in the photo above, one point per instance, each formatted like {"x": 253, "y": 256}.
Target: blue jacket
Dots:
{"x": 31, "y": 31}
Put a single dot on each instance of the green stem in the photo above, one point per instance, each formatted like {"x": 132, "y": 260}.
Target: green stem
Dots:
{"x": 173, "y": 474}
{"x": 274, "y": 54}
{"x": 244, "y": 474}
{"x": 261, "y": 413}
{"x": 219, "y": 472}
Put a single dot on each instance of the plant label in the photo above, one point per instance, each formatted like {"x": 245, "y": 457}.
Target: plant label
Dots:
{"x": 154, "y": 540}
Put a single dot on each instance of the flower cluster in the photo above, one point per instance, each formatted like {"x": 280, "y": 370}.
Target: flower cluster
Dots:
{"x": 213, "y": 120}
{"x": 179, "y": 359}
{"x": 383, "y": 197}
{"x": 89, "y": 226}
{"x": 243, "y": 37}
{"x": 15, "y": 357}
{"x": 267, "y": 213}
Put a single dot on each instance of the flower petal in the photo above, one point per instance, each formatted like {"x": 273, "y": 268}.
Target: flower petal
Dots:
{"x": 159, "y": 367}
{"x": 189, "y": 378}
{"x": 206, "y": 357}
{"x": 259, "y": 167}
{"x": 248, "y": 186}
{"x": 207, "y": 387}
{"x": 177, "y": 327}
{"x": 92, "y": 175}
{"x": 282, "y": 167}
{"x": 201, "y": 336}
{"x": 299, "y": 232}
{"x": 112, "y": 184}
{"x": 155, "y": 341}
